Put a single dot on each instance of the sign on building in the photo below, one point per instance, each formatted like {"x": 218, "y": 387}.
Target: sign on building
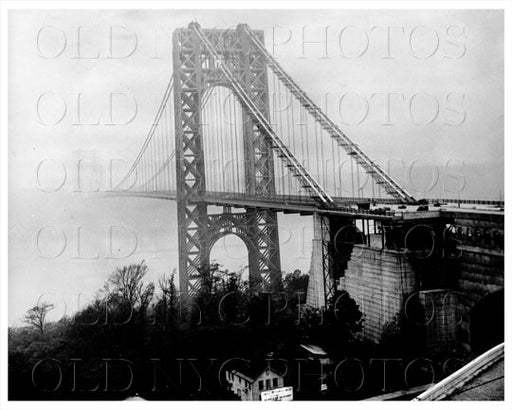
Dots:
{"x": 282, "y": 394}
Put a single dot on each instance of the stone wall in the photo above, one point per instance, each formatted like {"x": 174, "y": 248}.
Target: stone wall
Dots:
{"x": 440, "y": 319}
{"x": 379, "y": 281}
{"x": 478, "y": 272}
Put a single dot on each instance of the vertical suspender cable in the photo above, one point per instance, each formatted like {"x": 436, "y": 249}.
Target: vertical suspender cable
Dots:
{"x": 279, "y": 129}
{"x": 231, "y": 140}
{"x": 163, "y": 153}
{"x": 172, "y": 149}
{"x": 290, "y": 141}
{"x": 358, "y": 182}
{"x": 151, "y": 172}
{"x": 352, "y": 174}
{"x": 154, "y": 156}
{"x": 217, "y": 139}
{"x": 323, "y": 167}
{"x": 301, "y": 156}
{"x": 333, "y": 150}
{"x": 317, "y": 151}
{"x": 215, "y": 133}
{"x": 157, "y": 157}
{"x": 206, "y": 141}
{"x": 235, "y": 125}
{"x": 233, "y": 143}
{"x": 228, "y": 139}
{"x": 218, "y": 114}
{"x": 306, "y": 129}
{"x": 302, "y": 141}
{"x": 168, "y": 150}
{"x": 276, "y": 124}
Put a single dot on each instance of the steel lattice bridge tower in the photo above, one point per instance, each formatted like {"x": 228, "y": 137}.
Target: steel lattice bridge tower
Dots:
{"x": 249, "y": 143}
{"x": 235, "y": 63}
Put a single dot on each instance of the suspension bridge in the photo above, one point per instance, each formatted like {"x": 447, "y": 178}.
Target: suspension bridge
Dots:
{"x": 236, "y": 140}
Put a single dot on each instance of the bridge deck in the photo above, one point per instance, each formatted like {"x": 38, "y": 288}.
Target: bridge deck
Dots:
{"x": 346, "y": 206}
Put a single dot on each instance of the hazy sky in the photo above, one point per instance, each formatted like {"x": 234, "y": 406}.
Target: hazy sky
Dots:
{"x": 441, "y": 70}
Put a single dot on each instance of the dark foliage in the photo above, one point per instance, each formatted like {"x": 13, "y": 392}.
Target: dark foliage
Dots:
{"x": 138, "y": 338}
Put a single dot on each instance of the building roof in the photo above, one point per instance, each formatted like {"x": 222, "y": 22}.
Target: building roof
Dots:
{"x": 314, "y": 350}
{"x": 251, "y": 371}
{"x": 136, "y": 397}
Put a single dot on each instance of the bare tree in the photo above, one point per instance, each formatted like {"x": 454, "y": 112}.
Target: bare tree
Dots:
{"x": 36, "y": 316}
{"x": 169, "y": 296}
{"x": 126, "y": 286}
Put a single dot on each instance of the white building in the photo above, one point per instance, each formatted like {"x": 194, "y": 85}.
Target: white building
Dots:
{"x": 247, "y": 383}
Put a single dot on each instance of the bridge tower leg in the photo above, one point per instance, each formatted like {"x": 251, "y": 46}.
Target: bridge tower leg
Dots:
{"x": 194, "y": 73}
